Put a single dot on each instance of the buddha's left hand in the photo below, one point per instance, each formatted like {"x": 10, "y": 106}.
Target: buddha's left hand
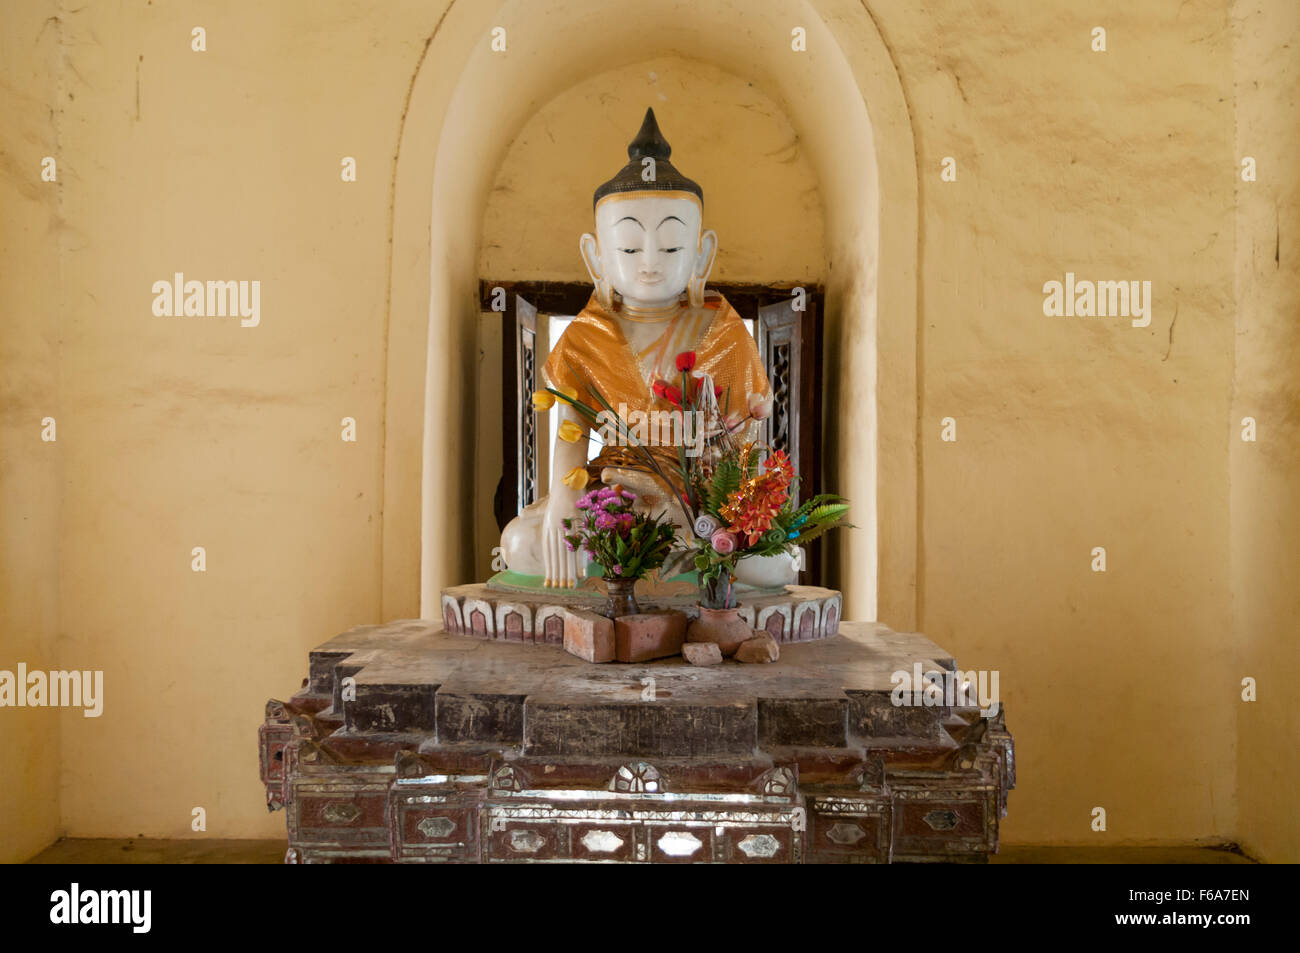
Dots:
{"x": 560, "y": 563}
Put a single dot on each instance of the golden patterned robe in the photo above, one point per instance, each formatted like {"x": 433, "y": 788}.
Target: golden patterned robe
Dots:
{"x": 593, "y": 349}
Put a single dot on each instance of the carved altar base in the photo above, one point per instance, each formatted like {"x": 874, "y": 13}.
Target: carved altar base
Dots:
{"x": 410, "y": 745}
{"x": 789, "y": 614}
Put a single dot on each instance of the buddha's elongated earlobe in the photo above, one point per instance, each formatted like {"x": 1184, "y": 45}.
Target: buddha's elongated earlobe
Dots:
{"x": 703, "y": 265}
{"x": 590, "y": 251}
{"x": 695, "y": 292}
{"x": 604, "y": 293}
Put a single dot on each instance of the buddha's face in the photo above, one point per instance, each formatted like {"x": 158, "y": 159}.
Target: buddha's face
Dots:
{"x": 648, "y": 246}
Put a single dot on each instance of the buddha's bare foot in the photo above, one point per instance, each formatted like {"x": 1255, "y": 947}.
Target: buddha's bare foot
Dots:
{"x": 521, "y": 541}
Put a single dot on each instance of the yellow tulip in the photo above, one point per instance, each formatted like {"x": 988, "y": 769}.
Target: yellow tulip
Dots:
{"x": 571, "y": 432}
{"x": 542, "y": 400}
{"x": 569, "y": 392}
{"x": 576, "y": 478}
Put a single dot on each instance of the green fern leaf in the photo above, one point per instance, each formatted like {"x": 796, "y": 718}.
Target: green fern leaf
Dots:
{"x": 828, "y": 512}
{"x": 815, "y": 530}
{"x": 726, "y": 480}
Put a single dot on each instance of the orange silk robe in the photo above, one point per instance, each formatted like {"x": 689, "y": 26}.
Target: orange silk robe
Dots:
{"x": 593, "y": 349}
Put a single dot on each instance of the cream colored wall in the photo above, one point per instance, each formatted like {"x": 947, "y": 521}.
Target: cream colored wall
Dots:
{"x": 1072, "y": 433}
{"x": 31, "y": 237}
{"x": 1265, "y": 488}
{"x": 184, "y": 432}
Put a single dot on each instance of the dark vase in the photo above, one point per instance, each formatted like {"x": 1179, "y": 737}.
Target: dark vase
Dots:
{"x": 620, "y": 598}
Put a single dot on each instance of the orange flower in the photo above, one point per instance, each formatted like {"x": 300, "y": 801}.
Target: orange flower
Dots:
{"x": 752, "y": 508}
{"x": 779, "y": 463}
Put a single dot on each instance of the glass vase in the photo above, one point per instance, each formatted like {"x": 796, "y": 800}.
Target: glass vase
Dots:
{"x": 620, "y": 598}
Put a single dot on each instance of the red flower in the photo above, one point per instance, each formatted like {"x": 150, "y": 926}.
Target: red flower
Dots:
{"x": 717, "y": 392}
{"x": 685, "y": 361}
{"x": 666, "y": 391}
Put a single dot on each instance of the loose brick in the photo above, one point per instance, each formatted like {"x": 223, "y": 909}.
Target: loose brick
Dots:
{"x": 702, "y": 653}
{"x": 761, "y": 648}
{"x": 588, "y": 635}
{"x": 649, "y": 635}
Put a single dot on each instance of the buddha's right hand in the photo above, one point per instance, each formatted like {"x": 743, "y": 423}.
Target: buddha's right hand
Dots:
{"x": 562, "y": 565}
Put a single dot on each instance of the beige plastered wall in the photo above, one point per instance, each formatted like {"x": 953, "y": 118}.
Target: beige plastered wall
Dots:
{"x": 1080, "y": 433}
{"x": 1122, "y": 687}
{"x": 1265, "y": 488}
{"x": 31, "y": 237}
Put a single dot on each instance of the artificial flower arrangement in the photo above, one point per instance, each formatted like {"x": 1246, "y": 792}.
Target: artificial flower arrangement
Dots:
{"x": 624, "y": 543}
{"x": 738, "y": 496}
{"x": 746, "y": 509}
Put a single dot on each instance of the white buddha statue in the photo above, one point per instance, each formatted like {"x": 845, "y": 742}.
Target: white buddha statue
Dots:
{"x": 648, "y": 260}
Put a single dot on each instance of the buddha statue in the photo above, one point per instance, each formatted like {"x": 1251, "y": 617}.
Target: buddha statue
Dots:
{"x": 649, "y": 260}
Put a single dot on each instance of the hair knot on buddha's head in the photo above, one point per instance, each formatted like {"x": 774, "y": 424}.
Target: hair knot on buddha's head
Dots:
{"x": 659, "y": 175}
{"x": 649, "y": 141}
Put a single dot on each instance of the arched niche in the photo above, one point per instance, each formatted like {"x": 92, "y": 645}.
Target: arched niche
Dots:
{"x": 466, "y": 105}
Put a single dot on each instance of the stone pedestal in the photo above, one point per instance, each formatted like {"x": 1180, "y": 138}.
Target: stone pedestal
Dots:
{"x": 411, "y": 745}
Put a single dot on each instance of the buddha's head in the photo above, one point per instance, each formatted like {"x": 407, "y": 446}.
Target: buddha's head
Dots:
{"x": 650, "y": 244}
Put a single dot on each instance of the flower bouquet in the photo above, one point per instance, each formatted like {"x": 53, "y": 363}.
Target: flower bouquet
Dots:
{"x": 746, "y": 508}
{"x": 737, "y": 495}
{"x": 624, "y": 543}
